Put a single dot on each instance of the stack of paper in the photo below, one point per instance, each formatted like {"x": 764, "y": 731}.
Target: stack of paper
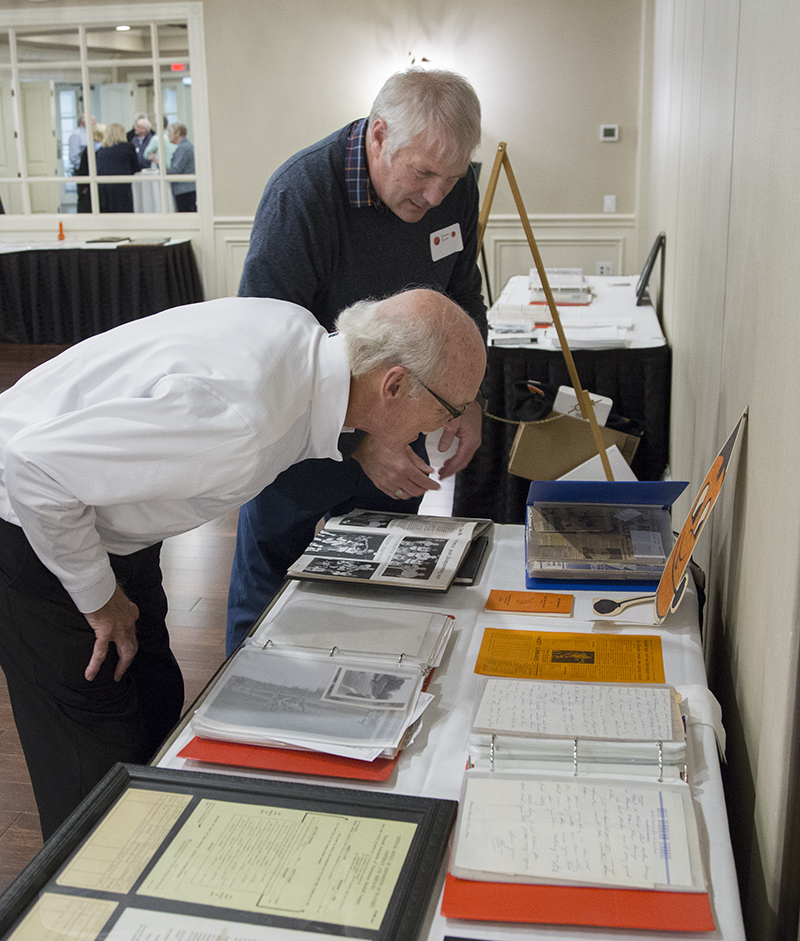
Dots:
{"x": 520, "y": 723}
{"x": 567, "y": 285}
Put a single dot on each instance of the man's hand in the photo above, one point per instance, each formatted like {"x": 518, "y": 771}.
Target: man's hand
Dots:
{"x": 468, "y": 431}
{"x": 394, "y": 471}
{"x": 114, "y": 623}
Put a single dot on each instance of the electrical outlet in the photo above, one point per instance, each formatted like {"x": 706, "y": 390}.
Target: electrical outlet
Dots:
{"x": 605, "y": 268}
{"x": 609, "y": 204}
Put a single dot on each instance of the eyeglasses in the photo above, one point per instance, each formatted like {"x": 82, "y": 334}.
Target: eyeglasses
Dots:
{"x": 454, "y": 412}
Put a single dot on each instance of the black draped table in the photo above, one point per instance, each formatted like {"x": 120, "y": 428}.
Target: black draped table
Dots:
{"x": 65, "y": 293}
{"x": 636, "y": 377}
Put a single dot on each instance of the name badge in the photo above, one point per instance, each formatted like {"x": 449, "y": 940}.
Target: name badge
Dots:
{"x": 446, "y": 241}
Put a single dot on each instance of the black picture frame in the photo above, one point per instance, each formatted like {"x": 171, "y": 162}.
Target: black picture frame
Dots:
{"x": 642, "y": 297}
{"x": 403, "y": 915}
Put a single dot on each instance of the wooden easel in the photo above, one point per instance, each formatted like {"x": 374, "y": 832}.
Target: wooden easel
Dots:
{"x": 584, "y": 400}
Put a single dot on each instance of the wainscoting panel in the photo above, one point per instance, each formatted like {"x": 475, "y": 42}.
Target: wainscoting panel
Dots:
{"x": 563, "y": 242}
{"x": 232, "y": 239}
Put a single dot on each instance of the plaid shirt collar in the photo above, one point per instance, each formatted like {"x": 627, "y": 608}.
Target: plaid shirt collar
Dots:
{"x": 359, "y": 188}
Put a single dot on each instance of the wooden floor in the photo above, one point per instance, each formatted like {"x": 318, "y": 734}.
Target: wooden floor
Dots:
{"x": 196, "y": 572}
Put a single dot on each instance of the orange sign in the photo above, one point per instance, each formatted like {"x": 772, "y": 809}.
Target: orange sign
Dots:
{"x": 673, "y": 582}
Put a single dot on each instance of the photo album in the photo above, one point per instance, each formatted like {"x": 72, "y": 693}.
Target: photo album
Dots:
{"x": 398, "y": 550}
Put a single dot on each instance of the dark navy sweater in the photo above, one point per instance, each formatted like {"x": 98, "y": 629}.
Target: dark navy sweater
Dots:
{"x": 309, "y": 245}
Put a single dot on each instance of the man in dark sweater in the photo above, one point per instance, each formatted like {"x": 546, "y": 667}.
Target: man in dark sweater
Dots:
{"x": 385, "y": 203}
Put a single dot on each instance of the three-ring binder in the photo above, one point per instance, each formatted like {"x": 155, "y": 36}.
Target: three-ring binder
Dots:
{"x": 493, "y": 748}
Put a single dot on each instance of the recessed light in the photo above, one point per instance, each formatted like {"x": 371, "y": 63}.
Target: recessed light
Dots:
{"x": 122, "y": 29}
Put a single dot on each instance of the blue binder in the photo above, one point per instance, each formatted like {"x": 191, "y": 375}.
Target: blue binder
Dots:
{"x": 621, "y": 492}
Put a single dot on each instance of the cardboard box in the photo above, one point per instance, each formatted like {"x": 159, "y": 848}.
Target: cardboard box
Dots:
{"x": 545, "y": 450}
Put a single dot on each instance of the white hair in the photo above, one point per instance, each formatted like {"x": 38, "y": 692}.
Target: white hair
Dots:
{"x": 440, "y": 105}
{"x": 377, "y": 336}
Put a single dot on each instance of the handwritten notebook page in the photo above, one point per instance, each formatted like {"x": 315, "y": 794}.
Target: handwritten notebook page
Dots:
{"x": 525, "y": 828}
{"x": 582, "y": 710}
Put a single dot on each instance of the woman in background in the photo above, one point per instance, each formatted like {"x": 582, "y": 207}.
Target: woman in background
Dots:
{"x": 84, "y": 192}
{"x": 116, "y": 157}
{"x": 182, "y": 162}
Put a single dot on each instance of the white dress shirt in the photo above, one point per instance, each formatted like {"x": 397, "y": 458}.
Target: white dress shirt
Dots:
{"x": 162, "y": 424}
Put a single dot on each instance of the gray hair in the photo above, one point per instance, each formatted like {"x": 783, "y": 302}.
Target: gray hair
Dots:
{"x": 441, "y": 105}
{"x": 178, "y": 128}
{"x": 376, "y": 337}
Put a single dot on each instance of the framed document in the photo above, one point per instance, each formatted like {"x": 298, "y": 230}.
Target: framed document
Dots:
{"x": 157, "y": 853}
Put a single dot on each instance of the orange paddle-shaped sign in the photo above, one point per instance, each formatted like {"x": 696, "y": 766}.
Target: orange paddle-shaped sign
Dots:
{"x": 673, "y": 582}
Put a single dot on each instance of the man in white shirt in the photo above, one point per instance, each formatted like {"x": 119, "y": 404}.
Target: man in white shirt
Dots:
{"x": 149, "y": 430}
{"x": 77, "y": 142}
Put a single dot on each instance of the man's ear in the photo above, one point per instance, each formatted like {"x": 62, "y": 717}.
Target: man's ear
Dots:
{"x": 377, "y": 130}
{"x": 393, "y": 383}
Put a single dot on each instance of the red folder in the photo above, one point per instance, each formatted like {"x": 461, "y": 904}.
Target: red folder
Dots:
{"x": 266, "y": 758}
{"x": 576, "y": 905}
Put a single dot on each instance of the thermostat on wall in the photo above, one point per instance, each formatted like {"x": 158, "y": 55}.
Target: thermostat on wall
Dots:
{"x": 609, "y": 132}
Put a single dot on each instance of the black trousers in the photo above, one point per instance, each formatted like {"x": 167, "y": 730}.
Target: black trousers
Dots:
{"x": 186, "y": 202}
{"x": 73, "y": 731}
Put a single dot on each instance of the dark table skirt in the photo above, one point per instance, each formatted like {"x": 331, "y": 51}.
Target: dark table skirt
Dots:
{"x": 638, "y": 381}
{"x": 64, "y": 295}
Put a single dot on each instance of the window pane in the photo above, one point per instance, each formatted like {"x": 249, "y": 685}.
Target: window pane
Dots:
{"x": 11, "y": 197}
{"x": 53, "y": 45}
{"x": 176, "y": 94}
{"x": 114, "y": 97}
{"x": 173, "y": 41}
{"x": 46, "y": 198}
{"x": 108, "y": 42}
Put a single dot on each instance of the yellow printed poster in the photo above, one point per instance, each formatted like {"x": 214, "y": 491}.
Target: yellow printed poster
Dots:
{"x": 542, "y": 655}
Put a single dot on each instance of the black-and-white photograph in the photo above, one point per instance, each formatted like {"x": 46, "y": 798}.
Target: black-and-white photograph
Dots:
{"x": 342, "y": 568}
{"x": 367, "y": 688}
{"x": 313, "y": 699}
{"x": 415, "y": 557}
{"x": 371, "y": 518}
{"x": 345, "y": 545}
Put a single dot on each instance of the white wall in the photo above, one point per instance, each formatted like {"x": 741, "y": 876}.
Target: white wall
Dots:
{"x": 721, "y": 177}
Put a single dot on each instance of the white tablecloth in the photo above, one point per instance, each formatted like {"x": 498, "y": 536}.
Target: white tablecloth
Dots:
{"x": 433, "y": 765}
{"x": 147, "y": 193}
{"x": 613, "y": 309}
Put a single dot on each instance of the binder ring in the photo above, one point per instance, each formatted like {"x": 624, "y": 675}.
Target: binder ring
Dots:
{"x": 491, "y": 754}
{"x": 575, "y": 757}
{"x": 660, "y": 763}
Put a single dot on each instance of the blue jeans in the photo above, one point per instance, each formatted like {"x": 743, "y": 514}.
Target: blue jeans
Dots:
{"x": 277, "y": 525}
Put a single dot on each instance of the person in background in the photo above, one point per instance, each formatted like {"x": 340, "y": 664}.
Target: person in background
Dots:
{"x": 151, "y": 151}
{"x": 386, "y": 202}
{"x": 151, "y": 429}
{"x": 84, "y": 190}
{"x": 116, "y": 157}
{"x": 77, "y": 143}
{"x": 142, "y": 136}
{"x": 137, "y": 117}
{"x": 185, "y": 192}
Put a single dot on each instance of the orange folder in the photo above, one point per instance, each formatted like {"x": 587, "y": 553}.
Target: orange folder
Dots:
{"x": 576, "y": 905}
{"x": 266, "y": 758}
